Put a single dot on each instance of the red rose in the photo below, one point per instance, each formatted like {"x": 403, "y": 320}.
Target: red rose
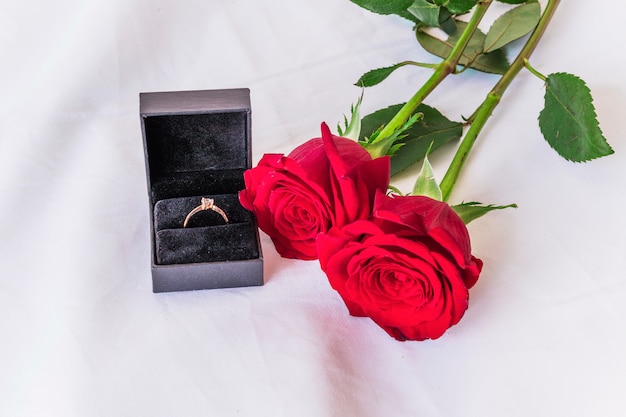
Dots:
{"x": 408, "y": 267}
{"x": 325, "y": 182}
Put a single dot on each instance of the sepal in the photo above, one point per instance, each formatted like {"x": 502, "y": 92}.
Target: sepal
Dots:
{"x": 426, "y": 183}
{"x": 352, "y": 128}
{"x": 472, "y": 210}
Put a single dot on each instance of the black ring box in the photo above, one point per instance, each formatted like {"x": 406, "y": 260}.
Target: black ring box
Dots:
{"x": 198, "y": 144}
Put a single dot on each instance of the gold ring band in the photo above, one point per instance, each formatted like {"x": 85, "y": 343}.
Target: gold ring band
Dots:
{"x": 205, "y": 204}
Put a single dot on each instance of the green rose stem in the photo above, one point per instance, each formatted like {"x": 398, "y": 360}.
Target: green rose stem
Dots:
{"x": 381, "y": 146}
{"x": 479, "y": 118}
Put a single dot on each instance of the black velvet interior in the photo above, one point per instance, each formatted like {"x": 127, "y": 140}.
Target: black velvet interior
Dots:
{"x": 197, "y": 183}
{"x": 207, "y": 238}
{"x": 193, "y": 154}
{"x": 171, "y": 213}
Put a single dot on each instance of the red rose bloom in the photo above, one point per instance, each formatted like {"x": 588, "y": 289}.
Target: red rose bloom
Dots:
{"x": 408, "y": 267}
{"x": 325, "y": 182}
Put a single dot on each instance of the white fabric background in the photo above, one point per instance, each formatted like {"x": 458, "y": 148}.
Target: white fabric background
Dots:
{"x": 82, "y": 332}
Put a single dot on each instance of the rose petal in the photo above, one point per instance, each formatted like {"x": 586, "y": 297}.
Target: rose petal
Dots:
{"x": 427, "y": 217}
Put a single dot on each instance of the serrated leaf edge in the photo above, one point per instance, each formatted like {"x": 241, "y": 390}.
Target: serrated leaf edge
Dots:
{"x": 595, "y": 119}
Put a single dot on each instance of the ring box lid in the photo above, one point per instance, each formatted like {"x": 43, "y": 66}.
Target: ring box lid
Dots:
{"x": 196, "y": 142}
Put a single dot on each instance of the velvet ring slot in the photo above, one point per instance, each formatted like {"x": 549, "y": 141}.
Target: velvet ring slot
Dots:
{"x": 206, "y": 238}
{"x": 197, "y": 145}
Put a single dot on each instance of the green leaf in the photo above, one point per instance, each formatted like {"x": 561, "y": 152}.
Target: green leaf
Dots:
{"x": 457, "y": 6}
{"x": 410, "y": 17}
{"x": 473, "y": 56}
{"x": 426, "y": 12}
{"x": 512, "y": 25}
{"x": 473, "y": 210}
{"x": 514, "y": 1}
{"x": 385, "y": 6}
{"x": 434, "y": 128}
{"x": 426, "y": 183}
{"x": 568, "y": 120}
{"x": 376, "y": 76}
{"x": 447, "y": 22}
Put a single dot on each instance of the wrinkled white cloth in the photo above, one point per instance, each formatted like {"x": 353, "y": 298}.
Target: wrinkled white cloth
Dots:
{"x": 82, "y": 332}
